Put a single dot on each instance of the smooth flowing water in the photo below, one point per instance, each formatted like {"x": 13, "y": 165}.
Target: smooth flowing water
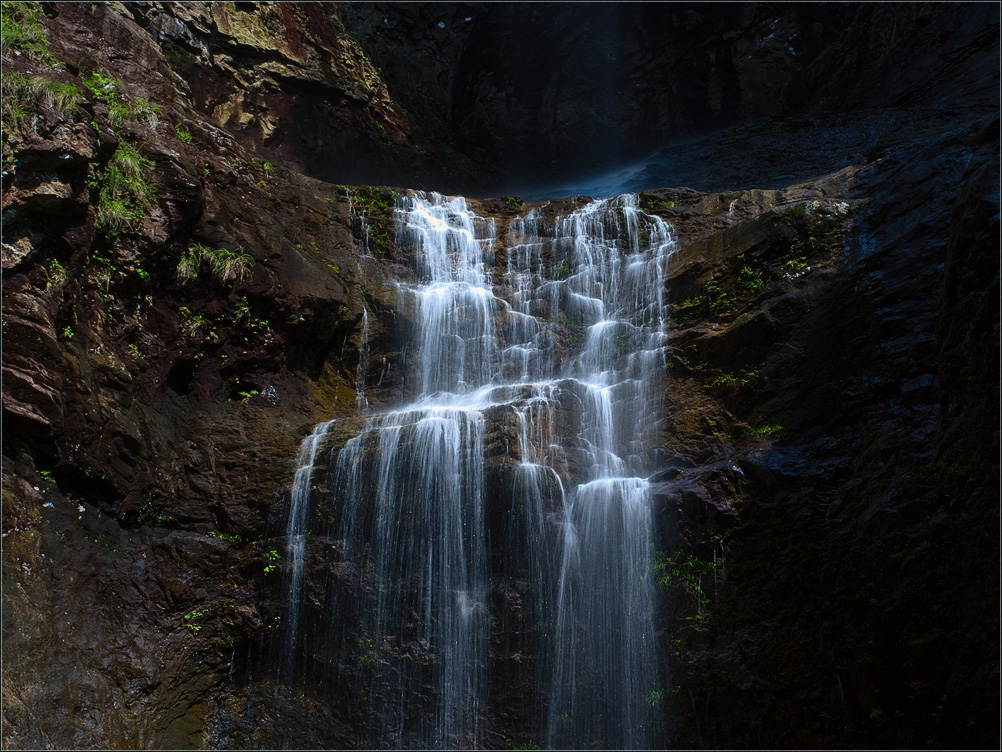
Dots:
{"x": 518, "y": 463}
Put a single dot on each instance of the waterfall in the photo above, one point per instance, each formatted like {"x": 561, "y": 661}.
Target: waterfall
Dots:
{"x": 516, "y": 469}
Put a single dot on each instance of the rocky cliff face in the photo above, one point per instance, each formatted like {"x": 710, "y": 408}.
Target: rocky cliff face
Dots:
{"x": 183, "y": 298}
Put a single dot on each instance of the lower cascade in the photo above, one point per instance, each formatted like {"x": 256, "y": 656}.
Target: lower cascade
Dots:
{"x": 484, "y": 549}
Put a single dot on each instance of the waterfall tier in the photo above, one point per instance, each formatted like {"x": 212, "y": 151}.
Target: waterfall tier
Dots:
{"x": 518, "y": 460}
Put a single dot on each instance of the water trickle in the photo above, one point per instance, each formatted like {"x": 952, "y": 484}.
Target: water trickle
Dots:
{"x": 363, "y": 361}
{"x": 517, "y": 466}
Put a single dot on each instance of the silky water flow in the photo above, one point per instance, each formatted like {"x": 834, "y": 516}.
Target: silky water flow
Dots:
{"x": 518, "y": 463}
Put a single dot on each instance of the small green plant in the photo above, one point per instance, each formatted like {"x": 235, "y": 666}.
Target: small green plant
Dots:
{"x": 730, "y": 379}
{"x": 560, "y": 271}
{"x": 126, "y": 194}
{"x": 183, "y": 134}
{"x": 236, "y": 540}
{"x": 68, "y": 332}
{"x": 749, "y": 281}
{"x": 767, "y": 430}
{"x": 655, "y": 696}
{"x": 135, "y": 351}
{"x": 513, "y": 201}
{"x": 366, "y": 654}
{"x": 149, "y": 514}
{"x": 334, "y": 268}
{"x": 796, "y": 264}
{"x": 271, "y": 557}
{"x": 57, "y": 274}
{"x": 241, "y": 310}
{"x": 226, "y": 641}
{"x": 192, "y": 616}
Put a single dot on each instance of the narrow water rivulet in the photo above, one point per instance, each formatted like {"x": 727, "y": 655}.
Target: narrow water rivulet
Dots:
{"x": 517, "y": 462}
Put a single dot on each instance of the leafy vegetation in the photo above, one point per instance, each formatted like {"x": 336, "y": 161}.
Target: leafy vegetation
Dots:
{"x": 236, "y": 540}
{"x": 749, "y": 280}
{"x": 271, "y": 557}
{"x": 192, "y": 616}
{"x": 725, "y": 379}
{"x": 183, "y": 134}
{"x": 689, "y": 573}
{"x": 126, "y": 194}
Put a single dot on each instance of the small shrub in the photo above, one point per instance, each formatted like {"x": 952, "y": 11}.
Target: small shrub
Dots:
{"x": 560, "y": 271}
{"x": 183, "y": 134}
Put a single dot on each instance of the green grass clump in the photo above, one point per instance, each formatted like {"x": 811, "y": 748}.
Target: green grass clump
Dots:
{"x": 226, "y": 265}
{"x": 22, "y": 32}
{"x": 24, "y": 96}
{"x": 126, "y": 195}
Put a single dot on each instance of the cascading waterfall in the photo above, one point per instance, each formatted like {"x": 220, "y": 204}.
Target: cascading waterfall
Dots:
{"x": 521, "y": 457}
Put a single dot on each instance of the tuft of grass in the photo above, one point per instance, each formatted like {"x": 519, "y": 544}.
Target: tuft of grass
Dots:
{"x": 183, "y": 134}
{"x": 25, "y": 95}
{"x": 126, "y": 194}
{"x": 143, "y": 109}
{"x": 226, "y": 265}
{"x": 22, "y": 32}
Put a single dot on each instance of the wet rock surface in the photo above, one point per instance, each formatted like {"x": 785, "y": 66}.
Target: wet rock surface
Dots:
{"x": 830, "y": 448}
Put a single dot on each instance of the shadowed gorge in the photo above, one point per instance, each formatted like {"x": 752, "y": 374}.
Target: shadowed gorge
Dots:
{"x": 679, "y": 428}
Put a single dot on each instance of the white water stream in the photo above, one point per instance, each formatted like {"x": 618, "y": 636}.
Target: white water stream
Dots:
{"x": 523, "y": 452}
